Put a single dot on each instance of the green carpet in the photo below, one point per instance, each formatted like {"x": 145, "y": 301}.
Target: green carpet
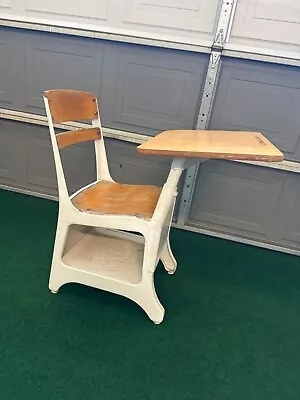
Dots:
{"x": 231, "y": 329}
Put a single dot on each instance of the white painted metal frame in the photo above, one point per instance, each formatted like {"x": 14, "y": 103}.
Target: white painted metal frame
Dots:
{"x": 78, "y": 256}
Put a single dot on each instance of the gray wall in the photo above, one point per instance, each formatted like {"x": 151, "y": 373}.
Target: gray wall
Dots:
{"x": 248, "y": 202}
{"x": 26, "y": 161}
{"x": 243, "y": 200}
{"x": 139, "y": 89}
{"x": 146, "y": 90}
{"x": 254, "y": 95}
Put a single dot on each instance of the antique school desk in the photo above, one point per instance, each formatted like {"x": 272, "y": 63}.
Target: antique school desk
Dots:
{"x": 202, "y": 145}
{"x": 111, "y": 258}
{"x": 190, "y": 147}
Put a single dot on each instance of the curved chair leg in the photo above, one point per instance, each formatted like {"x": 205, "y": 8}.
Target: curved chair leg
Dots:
{"x": 56, "y": 279}
{"x": 55, "y": 283}
{"x": 168, "y": 258}
{"x": 149, "y": 302}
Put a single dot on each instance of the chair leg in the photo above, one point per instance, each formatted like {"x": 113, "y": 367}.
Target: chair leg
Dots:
{"x": 149, "y": 302}
{"x": 168, "y": 258}
{"x": 56, "y": 275}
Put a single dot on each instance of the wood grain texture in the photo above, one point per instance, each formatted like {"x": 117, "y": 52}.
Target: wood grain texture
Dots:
{"x": 71, "y": 105}
{"x": 121, "y": 199}
{"x": 68, "y": 138}
{"x": 212, "y": 144}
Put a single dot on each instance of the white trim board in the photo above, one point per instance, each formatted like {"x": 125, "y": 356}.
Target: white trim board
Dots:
{"x": 156, "y": 40}
{"x": 28, "y": 192}
{"x": 238, "y": 239}
{"x": 130, "y": 137}
{"x": 124, "y": 36}
{"x": 42, "y": 121}
{"x": 261, "y": 54}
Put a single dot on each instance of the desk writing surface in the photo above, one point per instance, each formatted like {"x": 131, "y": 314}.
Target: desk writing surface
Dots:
{"x": 233, "y": 145}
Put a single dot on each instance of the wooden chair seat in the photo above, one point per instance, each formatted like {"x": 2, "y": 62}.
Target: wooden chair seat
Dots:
{"x": 115, "y": 198}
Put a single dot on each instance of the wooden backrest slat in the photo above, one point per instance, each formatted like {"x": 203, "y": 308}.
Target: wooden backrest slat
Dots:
{"x": 71, "y": 105}
{"x": 68, "y": 138}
